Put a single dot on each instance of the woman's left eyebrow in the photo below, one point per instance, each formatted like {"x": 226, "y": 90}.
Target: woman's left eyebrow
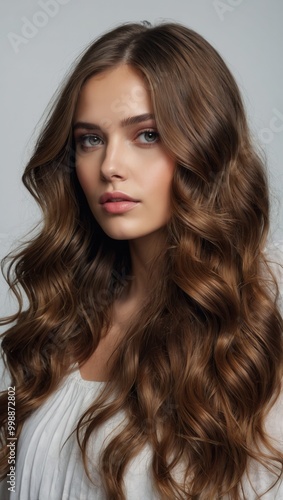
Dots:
{"x": 133, "y": 120}
{"x": 126, "y": 122}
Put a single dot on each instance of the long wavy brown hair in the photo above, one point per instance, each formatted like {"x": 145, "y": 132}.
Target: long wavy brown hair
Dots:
{"x": 201, "y": 362}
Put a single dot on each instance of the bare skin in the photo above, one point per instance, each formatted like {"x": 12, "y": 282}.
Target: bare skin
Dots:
{"x": 98, "y": 366}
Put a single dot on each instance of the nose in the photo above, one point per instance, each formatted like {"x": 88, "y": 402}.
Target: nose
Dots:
{"x": 113, "y": 161}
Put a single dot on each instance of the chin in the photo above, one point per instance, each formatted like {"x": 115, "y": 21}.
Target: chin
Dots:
{"x": 117, "y": 234}
{"x": 121, "y": 231}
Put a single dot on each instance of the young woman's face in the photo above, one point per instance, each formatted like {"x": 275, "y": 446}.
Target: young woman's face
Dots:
{"x": 122, "y": 166}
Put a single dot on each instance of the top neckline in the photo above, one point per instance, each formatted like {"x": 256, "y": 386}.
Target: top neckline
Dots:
{"x": 76, "y": 374}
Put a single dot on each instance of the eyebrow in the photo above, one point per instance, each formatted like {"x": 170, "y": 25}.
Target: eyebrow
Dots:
{"x": 126, "y": 122}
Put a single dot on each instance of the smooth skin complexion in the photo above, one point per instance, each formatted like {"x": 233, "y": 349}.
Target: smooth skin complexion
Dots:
{"x": 118, "y": 149}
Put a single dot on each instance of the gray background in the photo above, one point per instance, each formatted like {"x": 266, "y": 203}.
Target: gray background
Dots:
{"x": 41, "y": 39}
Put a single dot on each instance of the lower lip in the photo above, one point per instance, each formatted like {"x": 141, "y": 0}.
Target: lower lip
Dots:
{"x": 119, "y": 207}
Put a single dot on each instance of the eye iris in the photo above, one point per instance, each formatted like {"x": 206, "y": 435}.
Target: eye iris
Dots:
{"x": 150, "y": 136}
{"x": 93, "y": 139}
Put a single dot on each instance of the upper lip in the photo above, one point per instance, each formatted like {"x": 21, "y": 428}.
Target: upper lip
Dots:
{"x": 115, "y": 194}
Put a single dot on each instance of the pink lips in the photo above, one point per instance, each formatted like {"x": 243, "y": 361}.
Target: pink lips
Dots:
{"x": 117, "y": 202}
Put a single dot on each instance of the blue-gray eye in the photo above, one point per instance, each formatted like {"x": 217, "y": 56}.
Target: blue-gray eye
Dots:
{"x": 150, "y": 136}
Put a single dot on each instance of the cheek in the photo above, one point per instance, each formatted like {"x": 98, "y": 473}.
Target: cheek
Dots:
{"x": 86, "y": 178}
{"x": 160, "y": 183}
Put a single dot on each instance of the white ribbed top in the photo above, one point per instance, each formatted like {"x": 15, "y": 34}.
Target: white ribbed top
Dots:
{"x": 43, "y": 472}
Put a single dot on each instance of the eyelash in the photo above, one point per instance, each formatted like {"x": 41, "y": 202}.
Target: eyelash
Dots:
{"x": 82, "y": 138}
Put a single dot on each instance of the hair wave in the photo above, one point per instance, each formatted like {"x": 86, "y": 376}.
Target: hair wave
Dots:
{"x": 201, "y": 363}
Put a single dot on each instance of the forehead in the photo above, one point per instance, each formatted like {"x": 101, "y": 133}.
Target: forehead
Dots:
{"x": 113, "y": 94}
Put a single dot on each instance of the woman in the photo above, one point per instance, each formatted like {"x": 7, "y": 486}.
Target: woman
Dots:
{"x": 148, "y": 362}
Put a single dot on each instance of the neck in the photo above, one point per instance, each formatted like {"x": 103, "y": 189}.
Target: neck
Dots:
{"x": 144, "y": 252}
